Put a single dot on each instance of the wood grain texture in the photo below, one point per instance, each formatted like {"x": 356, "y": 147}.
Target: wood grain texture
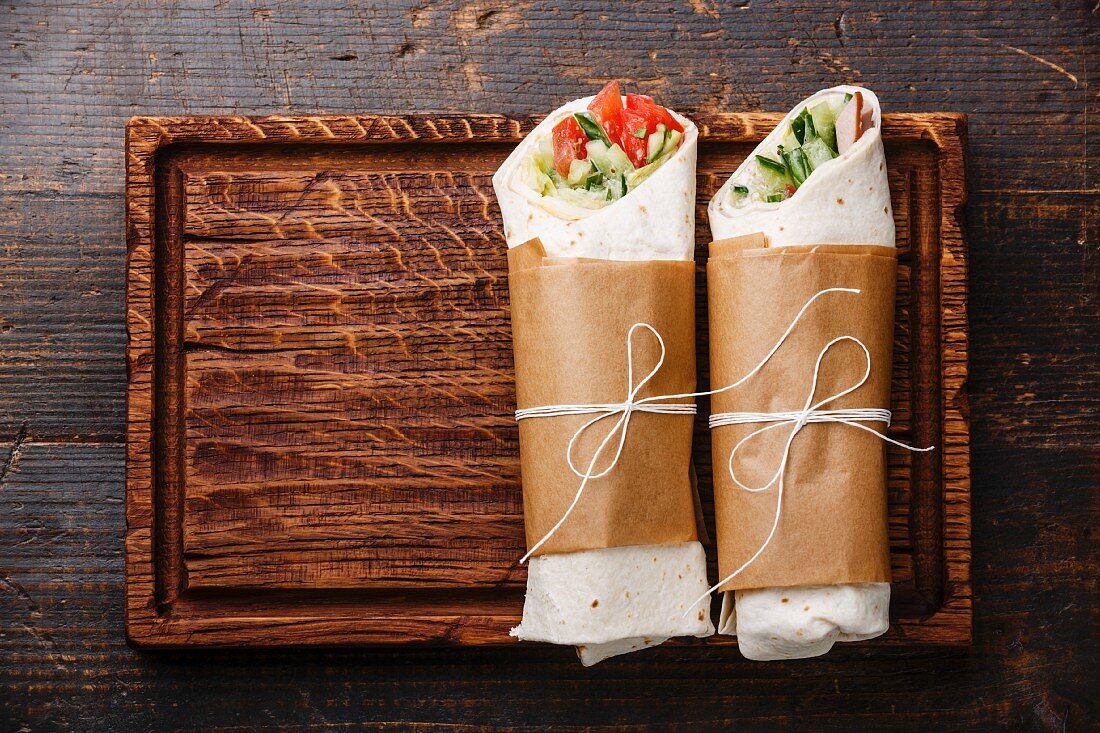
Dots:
{"x": 76, "y": 70}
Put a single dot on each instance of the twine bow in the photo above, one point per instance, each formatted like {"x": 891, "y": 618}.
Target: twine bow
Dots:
{"x": 603, "y": 411}
{"x": 811, "y": 412}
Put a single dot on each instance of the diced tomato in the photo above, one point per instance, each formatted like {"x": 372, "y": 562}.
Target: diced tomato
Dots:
{"x": 653, "y": 112}
{"x": 607, "y": 107}
{"x": 634, "y": 146}
{"x": 644, "y": 107}
{"x": 790, "y": 190}
{"x": 671, "y": 121}
{"x": 569, "y": 144}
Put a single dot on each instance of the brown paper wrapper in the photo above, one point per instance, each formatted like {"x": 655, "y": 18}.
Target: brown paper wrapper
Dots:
{"x": 833, "y": 524}
{"x": 570, "y": 319}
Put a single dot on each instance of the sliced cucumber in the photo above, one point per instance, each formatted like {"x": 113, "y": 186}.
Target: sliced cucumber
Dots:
{"x": 798, "y": 128}
{"x": 798, "y": 166}
{"x": 802, "y": 127}
{"x": 609, "y": 164}
{"x": 789, "y": 141}
{"x": 774, "y": 182}
{"x": 811, "y": 128}
{"x": 825, "y": 123}
{"x": 774, "y": 198}
{"x": 591, "y": 127}
{"x": 598, "y": 154}
{"x": 579, "y": 171}
{"x": 836, "y": 103}
{"x": 620, "y": 161}
{"x": 656, "y": 143}
{"x": 767, "y": 164}
{"x": 611, "y": 161}
{"x": 740, "y": 190}
{"x": 817, "y": 152}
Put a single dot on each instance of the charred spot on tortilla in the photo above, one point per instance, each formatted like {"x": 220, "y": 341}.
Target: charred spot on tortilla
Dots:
{"x": 595, "y": 602}
{"x": 840, "y": 201}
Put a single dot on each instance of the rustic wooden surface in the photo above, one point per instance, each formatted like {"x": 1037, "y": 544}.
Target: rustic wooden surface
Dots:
{"x": 74, "y": 72}
{"x": 321, "y": 442}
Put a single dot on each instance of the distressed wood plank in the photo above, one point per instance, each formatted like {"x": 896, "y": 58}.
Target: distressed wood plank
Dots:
{"x": 67, "y": 661}
{"x": 76, "y": 70}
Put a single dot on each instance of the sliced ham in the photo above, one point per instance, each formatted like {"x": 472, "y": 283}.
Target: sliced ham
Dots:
{"x": 867, "y": 119}
{"x": 852, "y": 121}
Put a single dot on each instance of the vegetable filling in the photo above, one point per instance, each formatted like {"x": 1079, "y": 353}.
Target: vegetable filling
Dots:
{"x": 599, "y": 155}
{"x": 815, "y": 136}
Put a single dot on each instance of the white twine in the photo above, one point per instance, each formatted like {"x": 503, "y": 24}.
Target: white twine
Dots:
{"x": 810, "y": 413}
{"x": 603, "y": 411}
{"x": 632, "y": 405}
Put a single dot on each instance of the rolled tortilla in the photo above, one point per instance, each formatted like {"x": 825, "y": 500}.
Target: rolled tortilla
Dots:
{"x": 617, "y": 600}
{"x": 656, "y": 221}
{"x": 846, "y": 200}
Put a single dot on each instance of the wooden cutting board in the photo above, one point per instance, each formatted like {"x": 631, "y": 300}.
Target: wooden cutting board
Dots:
{"x": 321, "y": 447}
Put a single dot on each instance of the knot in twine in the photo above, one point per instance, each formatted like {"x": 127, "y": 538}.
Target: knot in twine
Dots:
{"x": 602, "y": 411}
{"x": 810, "y": 413}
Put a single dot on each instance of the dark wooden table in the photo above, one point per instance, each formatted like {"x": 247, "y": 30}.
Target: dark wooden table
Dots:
{"x": 72, "y": 72}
